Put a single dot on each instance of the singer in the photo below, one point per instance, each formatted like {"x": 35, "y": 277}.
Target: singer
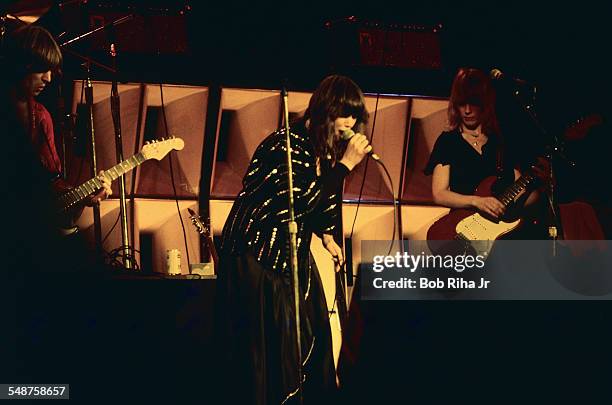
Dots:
{"x": 473, "y": 149}
{"x": 255, "y": 288}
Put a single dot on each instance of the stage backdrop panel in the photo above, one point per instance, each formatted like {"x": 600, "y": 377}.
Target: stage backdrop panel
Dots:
{"x": 78, "y": 156}
{"x": 185, "y": 113}
{"x": 427, "y": 121}
{"x": 246, "y": 117}
{"x": 389, "y": 142}
{"x": 111, "y": 228}
{"x": 417, "y": 219}
{"x": 160, "y": 230}
{"x": 157, "y": 228}
{"x": 298, "y": 103}
{"x": 374, "y": 222}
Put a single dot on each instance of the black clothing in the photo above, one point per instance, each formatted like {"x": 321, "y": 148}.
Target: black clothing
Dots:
{"x": 255, "y": 287}
{"x": 258, "y": 219}
{"x": 468, "y": 167}
{"x": 257, "y": 334}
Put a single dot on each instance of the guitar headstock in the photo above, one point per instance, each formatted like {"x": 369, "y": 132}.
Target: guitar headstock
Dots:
{"x": 158, "y": 149}
{"x": 208, "y": 250}
{"x": 196, "y": 220}
{"x": 580, "y": 127}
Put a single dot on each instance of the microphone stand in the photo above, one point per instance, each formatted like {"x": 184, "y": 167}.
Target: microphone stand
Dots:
{"x": 88, "y": 90}
{"x": 293, "y": 244}
{"x": 116, "y": 114}
{"x": 94, "y": 166}
{"x": 554, "y": 152}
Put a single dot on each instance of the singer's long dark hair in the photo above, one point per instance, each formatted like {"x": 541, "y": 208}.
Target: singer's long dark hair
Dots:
{"x": 473, "y": 86}
{"x": 335, "y": 97}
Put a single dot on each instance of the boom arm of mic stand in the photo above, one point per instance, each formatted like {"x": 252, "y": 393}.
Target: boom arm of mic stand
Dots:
{"x": 105, "y": 26}
{"x": 89, "y": 60}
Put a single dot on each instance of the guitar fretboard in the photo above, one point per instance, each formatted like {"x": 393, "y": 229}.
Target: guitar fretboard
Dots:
{"x": 79, "y": 193}
{"x": 515, "y": 189}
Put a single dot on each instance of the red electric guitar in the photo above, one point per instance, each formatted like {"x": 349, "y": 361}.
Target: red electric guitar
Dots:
{"x": 470, "y": 226}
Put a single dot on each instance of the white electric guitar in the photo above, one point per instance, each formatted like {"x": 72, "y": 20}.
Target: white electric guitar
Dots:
{"x": 157, "y": 149}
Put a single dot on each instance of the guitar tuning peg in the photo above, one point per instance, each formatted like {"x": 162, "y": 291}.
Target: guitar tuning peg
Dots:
{"x": 147, "y": 142}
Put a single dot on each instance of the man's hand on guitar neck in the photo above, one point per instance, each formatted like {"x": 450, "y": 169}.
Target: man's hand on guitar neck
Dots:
{"x": 101, "y": 194}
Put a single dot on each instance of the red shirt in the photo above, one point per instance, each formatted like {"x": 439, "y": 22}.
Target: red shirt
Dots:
{"x": 43, "y": 142}
{"x": 43, "y": 139}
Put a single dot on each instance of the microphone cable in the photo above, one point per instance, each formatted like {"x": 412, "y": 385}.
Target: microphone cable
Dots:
{"x": 178, "y": 209}
{"x": 365, "y": 170}
{"x": 393, "y": 200}
{"x": 343, "y": 268}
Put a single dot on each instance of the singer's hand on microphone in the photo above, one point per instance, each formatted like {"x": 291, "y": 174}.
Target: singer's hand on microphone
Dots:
{"x": 358, "y": 147}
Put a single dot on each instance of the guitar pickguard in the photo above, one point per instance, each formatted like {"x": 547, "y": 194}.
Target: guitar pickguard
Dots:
{"x": 477, "y": 228}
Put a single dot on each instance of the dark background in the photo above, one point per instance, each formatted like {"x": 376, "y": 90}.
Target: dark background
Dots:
{"x": 560, "y": 47}
{"x": 152, "y": 339}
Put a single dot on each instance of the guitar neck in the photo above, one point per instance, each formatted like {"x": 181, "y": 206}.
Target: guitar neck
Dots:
{"x": 79, "y": 193}
{"x": 515, "y": 189}
{"x": 207, "y": 245}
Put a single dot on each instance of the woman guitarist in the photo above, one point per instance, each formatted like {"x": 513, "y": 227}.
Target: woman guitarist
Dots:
{"x": 472, "y": 150}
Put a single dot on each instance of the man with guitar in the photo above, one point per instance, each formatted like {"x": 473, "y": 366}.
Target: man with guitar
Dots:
{"x": 30, "y": 59}
{"x": 471, "y": 168}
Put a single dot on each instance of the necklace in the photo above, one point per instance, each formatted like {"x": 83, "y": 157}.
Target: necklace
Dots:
{"x": 475, "y": 136}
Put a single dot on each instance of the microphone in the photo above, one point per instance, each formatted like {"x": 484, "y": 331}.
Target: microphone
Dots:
{"x": 349, "y": 133}
{"x": 497, "y": 74}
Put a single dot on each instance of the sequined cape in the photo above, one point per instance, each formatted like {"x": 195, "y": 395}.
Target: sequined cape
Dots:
{"x": 258, "y": 220}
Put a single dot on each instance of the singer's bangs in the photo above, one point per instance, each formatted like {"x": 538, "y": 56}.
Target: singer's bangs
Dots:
{"x": 346, "y": 99}
{"x": 352, "y": 108}
{"x": 335, "y": 97}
